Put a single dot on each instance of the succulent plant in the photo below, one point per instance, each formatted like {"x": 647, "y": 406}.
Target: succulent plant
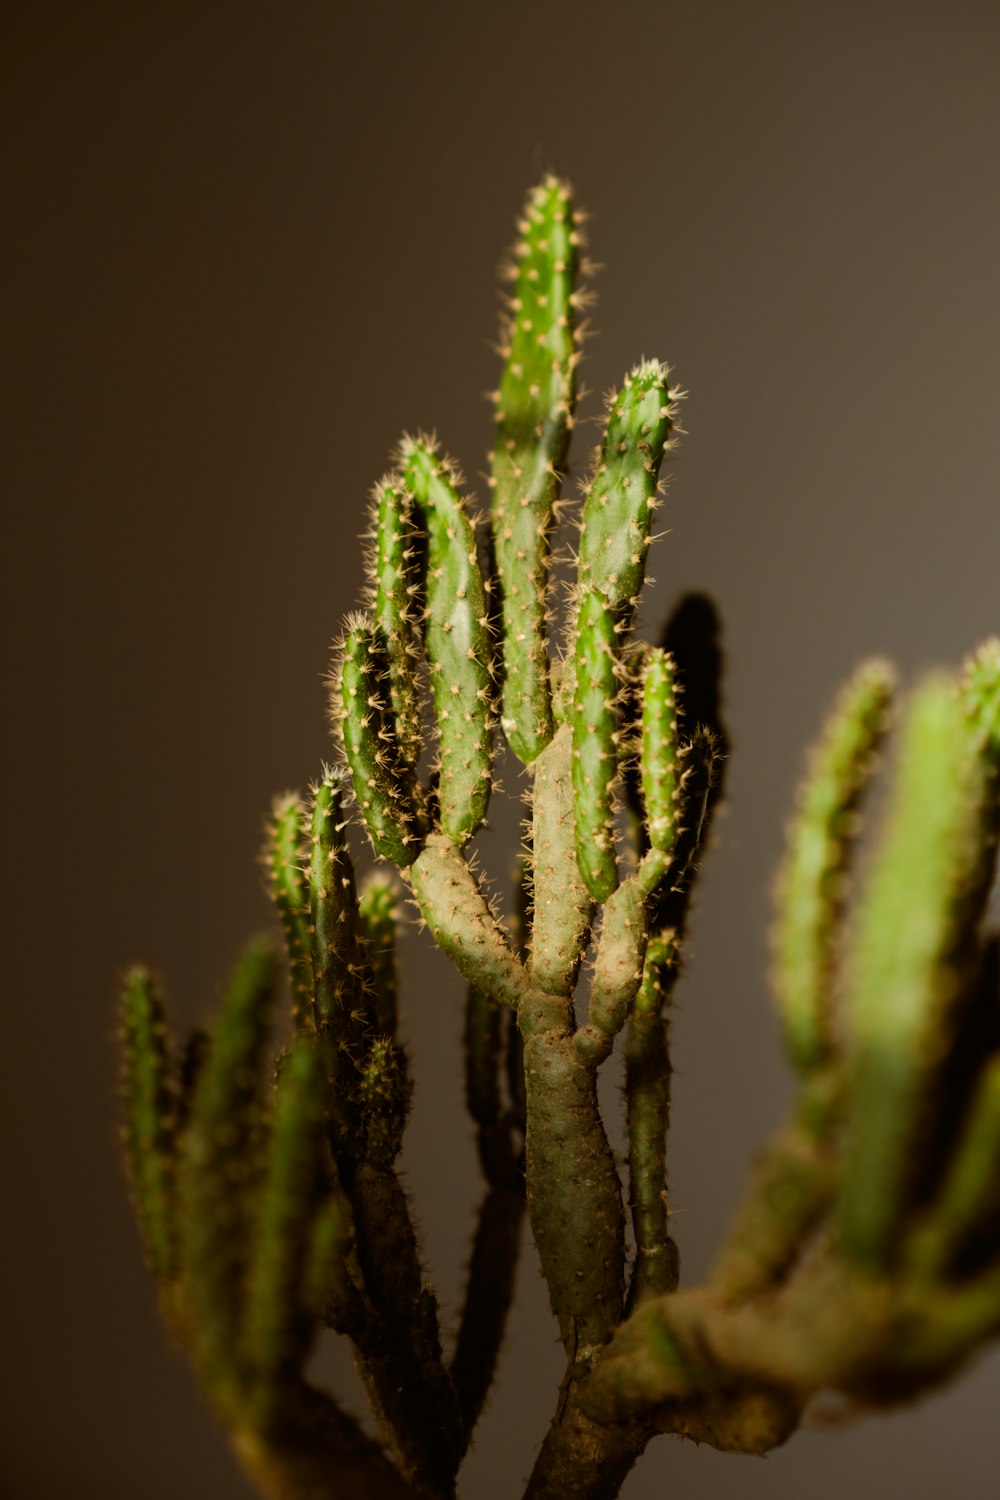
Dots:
{"x": 865, "y": 1259}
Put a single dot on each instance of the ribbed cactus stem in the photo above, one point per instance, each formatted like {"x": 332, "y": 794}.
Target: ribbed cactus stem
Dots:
{"x": 284, "y": 857}
{"x": 394, "y": 588}
{"x": 383, "y": 787}
{"x": 621, "y": 497}
{"x": 377, "y": 912}
{"x": 277, "y": 1320}
{"x": 217, "y": 1173}
{"x": 150, "y": 1119}
{"x": 534, "y": 410}
{"x": 647, "y": 1091}
{"x": 811, "y": 892}
{"x": 456, "y": 638}
{"x": 595, "y": 743}
{"x": 906, "y": 966}
{"x": 562, "y": 917}
{"x": 659, "y": 752}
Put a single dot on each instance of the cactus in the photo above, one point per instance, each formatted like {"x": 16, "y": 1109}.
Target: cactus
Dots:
{"x": 865, "y": 1258}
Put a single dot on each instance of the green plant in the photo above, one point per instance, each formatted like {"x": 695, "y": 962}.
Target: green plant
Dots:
{"x": 866, "y": 1256}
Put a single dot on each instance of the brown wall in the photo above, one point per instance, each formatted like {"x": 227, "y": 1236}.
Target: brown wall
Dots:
{"x": 249, "y": 246}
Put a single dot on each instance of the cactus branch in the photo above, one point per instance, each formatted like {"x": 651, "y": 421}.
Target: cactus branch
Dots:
{"x": 534, "y": 412}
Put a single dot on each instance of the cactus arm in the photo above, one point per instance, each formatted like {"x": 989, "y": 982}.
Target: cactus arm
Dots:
{"x": 647, "y": 1091}
{"x": 561, "y": 921}
{"x": 461, "y": 922}
{"x": 377, "y": 915}
{"x": 340, "y": 999}
{"x": 214, "y": 1211}
{"x": 283, "y": 858}
{"x": 150, "y": 1121}
{"x": 617, "y": 513}
{"x": 811, "y": 895}
{"x": 496, "y": 1245}
{"x": 394, "y": 616}
{"x": 908, "y": 963}
{"x": 595, "y": 744}
{"x": 659, "y": 762}
{"x": 534, "y": 410}
{"x": 384, "y": 793}
{"x": 277, "y": 1325}
{"x": 456, "y": 639}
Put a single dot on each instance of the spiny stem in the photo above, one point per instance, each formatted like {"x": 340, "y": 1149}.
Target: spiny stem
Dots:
{"x": 456, "y": 639}
{"x": 811, "y": 893}
{"x": 647, "y": 1091}
{"x": 150, "y": 1119}
{"x": 534, "y": 411}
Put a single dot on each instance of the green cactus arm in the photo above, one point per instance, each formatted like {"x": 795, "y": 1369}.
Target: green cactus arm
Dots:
{"x": 377, "y": 911}
{"x": 810, "y": 896}
{"x": 393, "y": 588}
{"x": 385, "y": 794}
{"x": 150, "y": 1119}
{"x": 621, "y": 498}
{"x": 215, "y": 1177}
{"x": 277, "y": 1321}
{"x": 909, "y": 962}
{"x": 647, "y": 1092}
{"x": 659, "y": 756}
{"x": 563, "y": 908}
{"x": 534, "y": 411}
{"x": 968, "y": 1204}
{"x": 456, "y": 638}
{"x": 595, "y": 743}
{"x": 461, "y": 922}
{"x": 284, "y": 857}
{"x": 340, "y": 968}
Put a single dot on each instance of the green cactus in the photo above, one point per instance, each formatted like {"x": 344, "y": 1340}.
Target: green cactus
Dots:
{"x": 865, "y": 1258}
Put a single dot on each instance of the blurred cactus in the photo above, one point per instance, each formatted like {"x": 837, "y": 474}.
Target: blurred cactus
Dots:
{"x": 865, "y": 1259}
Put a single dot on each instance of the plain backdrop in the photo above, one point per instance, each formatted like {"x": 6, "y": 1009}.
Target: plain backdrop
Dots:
{"x": 247, "y": 246}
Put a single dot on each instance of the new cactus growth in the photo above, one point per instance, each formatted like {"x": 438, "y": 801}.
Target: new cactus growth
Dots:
{"x": 865, "y": 1258}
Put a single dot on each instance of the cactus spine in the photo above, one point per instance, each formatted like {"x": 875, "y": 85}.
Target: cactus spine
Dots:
{"x": 865, "y": 1257}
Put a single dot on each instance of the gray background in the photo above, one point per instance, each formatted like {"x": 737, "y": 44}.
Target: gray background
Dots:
{"x": 249, "y": 245}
